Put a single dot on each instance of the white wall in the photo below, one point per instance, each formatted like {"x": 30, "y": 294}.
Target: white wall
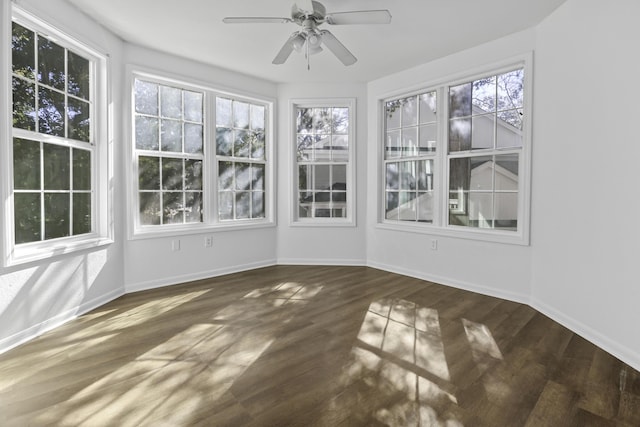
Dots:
{"x": 586, "y": 202}
{"x": 151, "y": 262}
{"x": 496, "y": 269}
{"x": 319, "y": 245}
{"x": 39, "y": 295}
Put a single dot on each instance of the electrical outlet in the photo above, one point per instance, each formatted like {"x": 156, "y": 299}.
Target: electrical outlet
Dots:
{"x": 208, "y": 241}
{"x": 175, "y": 245}
{"x": 434, "y": 244}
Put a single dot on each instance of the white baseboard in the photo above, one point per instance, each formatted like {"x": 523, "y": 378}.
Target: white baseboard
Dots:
{"x": 38, "y": 329}
{"x": 184, "y": 278}
{"x": 315, "y": 261}
{"x": 622, "y": 352}
{"x": 447, "y": 281}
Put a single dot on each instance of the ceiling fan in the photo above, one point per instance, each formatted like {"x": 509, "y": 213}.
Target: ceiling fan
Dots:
{"x": 310, "y": 38}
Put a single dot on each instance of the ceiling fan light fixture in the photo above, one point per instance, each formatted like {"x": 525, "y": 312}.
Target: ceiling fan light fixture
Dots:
{"x": 299, "y": 41}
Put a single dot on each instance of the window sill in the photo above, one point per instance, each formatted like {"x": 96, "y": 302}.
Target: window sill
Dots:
{"x": 153, "y": 232}
{"x": 323, "y": 223}
{"x": 485, "y": 235}
{"x": 31, "y": 252}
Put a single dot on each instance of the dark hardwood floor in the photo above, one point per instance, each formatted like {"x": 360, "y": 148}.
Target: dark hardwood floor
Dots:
{"x": 315, "y": 346}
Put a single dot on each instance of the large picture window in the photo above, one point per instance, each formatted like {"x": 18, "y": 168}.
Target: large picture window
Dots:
{"x": 56, "y": 151}
{"x": 324, "y": 143}
{"x": 200, "y": 157}
{"x": 475, "y": 183}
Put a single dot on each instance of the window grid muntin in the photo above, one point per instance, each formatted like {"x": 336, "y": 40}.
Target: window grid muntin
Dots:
{"x": 408, "y": 158}
{"x": 336, "y": 209}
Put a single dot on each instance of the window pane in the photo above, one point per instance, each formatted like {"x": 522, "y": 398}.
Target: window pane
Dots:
{"x": 482, "y": 128}
{"x": 81, "y": 169}
{"x": 509, "y": 130}
{"x": 148, "y": 173}
{"x": 460, "y": 100}
{"x": 305, "y": 120}
{"x": 172, "y": 208}
{"x": 393, "y": 144}
{"x": 322, "y": 177}
{"x": 340, "y": 148}
{"x": 51, "y": 112}
{"x": 507, "y": 172}
{"x": 392, "y": 176}
{"x": 27, "y": 217}
{"x": 147, "y": 133}
{"x": 428, "y": 137}
{"x": 481, "y": 176}
{"x": 459, "y": 174}
{"x": 226, "y": 173}
{"x": 339, "y": 177}
{"x": 322, "y": 120}
{"x": 240, "y": 115}
{"x": 78, "y": 75}
{"x": 241, "y": 143}
{"x": 171, "y": 136}
{"x": 305, "y": 177}
{"x": 257, "y": 117}
{"x": 408, "y": 175}
{"x": 305, "y": 147}
{"x": 24, "y": 104}
{"x": 225, "y": 205}
{"x": 193, "y": 138}
{"x": 409, "y": 142}
{"x": 193, "y": 207}
{"x": 257, "y": 204}
{"x": 50, "y": 63}
{"x": 391, "y": 205}
{"x": 223, "y": 113}
{"x": 425, "y": 175}
{"x": 459, "y": 135}
{"x": 243, "y": 205}
{"x": 340, "y": 123}
{"x": 481, "y": 210}
{"x": 23, "y": 51}
{"x": 484, "y": 95}
{"x": 506, "y": 211}
{"x": 510, "y": 90}
{"x": 56, "y": 215}
{"x": 146, "y": 97}
{"x": 81, "y": 213}
{"x": 56, "y": 167}
{"x": 392, "y": 114}
{"x": 26, "y": 164}
{"x": 193, "y": 175}
{"x": 224, "y": 141}
{"x": 170, "y": 102}
{"x": 424, "y": 207}
{"x": 428, "y": 107}
{"x": 78, "y": 119}
{"x": 257, "y": 145}
{"x": 243, "y": 176}
{"x": 193, "y": 106}
{"x": 150, "y": 208}
{"x": 172, "y": 174}
{"x": 257, "y": 177}
{"x": 410, "y": 111}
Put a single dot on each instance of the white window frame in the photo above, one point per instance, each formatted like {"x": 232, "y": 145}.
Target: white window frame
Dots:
{"x": 101, "y": 167}
{"x": 350, "y": 219}
{"x": 211, "y": 222}
{"x": 440, "y": 224}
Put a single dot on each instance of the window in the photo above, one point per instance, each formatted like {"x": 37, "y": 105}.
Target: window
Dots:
{"x": 410, "y": 147}
{"x": 58, "y": 159}
{"x": 177, "y": 145}
{"x": 476, "y": 183}
{"x": 169, "y": 153}
{"x": 324, "y": 147}
{"x": 485, "y": 145}
{"x": 240, "y": 150}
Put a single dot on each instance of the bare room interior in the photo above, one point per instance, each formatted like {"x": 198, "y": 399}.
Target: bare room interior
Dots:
{"x": 319, "y": 213}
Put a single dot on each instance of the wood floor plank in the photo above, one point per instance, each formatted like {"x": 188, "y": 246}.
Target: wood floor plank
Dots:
{"x": 315, "y": 346}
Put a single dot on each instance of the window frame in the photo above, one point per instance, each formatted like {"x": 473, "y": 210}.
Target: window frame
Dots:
{"x": 210, "y": 222}
{"x": 350, "y": 219}
{"x": 100, "y": 148}
{"x": 440, "y": 225}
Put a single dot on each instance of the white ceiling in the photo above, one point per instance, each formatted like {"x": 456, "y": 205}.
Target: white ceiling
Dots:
{"x": 420, "y": 31}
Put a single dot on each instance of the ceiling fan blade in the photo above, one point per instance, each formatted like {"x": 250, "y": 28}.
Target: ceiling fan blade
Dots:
{"x": 338, "y": 49}
{"x": 359, "y": 17}
{"x": 286, "y": 50}
{"x": 255, "y": 20}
